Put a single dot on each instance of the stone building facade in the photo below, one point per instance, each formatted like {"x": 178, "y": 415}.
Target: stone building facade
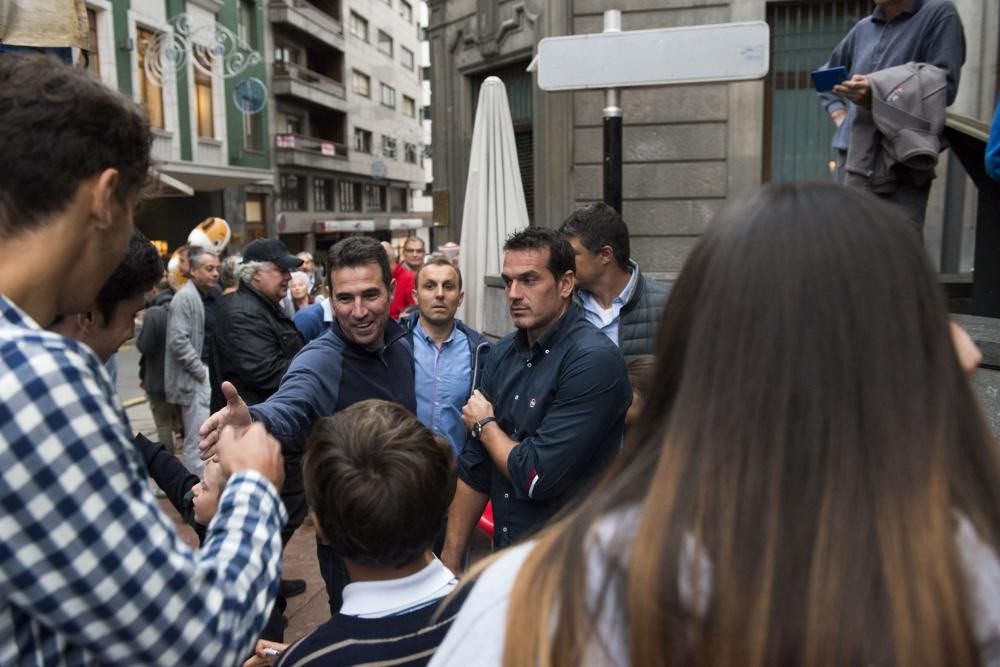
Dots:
{"x": 687, "y": 149}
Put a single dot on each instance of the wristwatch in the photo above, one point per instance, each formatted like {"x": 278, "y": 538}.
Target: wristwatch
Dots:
{"x": 477, "y": 428}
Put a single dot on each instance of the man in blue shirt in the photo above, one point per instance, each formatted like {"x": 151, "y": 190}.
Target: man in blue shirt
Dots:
{"x": 448, "y": 354}
{"x": 551, "y": 412}
{"x": 610, "y": 289}
{"x": 897, "y": 32}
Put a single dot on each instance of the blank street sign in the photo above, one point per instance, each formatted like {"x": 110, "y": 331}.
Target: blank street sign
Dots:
{"x": 697, "y": 54}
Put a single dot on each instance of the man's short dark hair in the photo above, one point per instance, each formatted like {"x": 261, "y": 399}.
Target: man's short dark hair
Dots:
{"x": 561, "y": 255}
{"x": 380, "y": 483}
{"x": 599, "y": 225}
{"x": 140, "y": 269}
{"x": 439, "y": 261}
{"x": 58, "y": 127}
{"x": 356, "y": 251}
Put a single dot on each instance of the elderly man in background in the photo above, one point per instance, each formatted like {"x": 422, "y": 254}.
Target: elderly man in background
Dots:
{"x": 185, "y": 369}
{"x": 255, "y": 342}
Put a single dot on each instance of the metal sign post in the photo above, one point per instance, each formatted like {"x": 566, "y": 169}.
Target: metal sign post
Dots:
{"x": 612, "y": 59}
{"x": 612, "y": 129}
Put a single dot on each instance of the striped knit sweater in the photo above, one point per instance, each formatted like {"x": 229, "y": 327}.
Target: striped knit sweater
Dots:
{"x": 408, "y": 639}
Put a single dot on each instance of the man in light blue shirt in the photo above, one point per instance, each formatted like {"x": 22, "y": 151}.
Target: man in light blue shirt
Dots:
{"x": 448, "y": 354}
{"x": 607, "y": 319}
{"x": 611, "y": 292}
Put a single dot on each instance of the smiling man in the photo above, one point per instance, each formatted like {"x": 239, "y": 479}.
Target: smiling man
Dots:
{"x": 551, "y": 412}
{"x": 363, "y": 355}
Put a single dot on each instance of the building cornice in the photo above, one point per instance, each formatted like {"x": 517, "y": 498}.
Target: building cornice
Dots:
{"x": 214, "y": 6}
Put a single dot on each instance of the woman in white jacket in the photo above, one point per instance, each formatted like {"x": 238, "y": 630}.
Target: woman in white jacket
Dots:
{"x": 811, "y": 482}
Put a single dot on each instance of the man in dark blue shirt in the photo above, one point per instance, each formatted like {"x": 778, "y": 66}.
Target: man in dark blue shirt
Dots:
{"x": 550, "y": 415}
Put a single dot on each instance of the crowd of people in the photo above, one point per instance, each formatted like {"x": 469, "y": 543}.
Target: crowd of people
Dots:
{"x": 779, "y": 460}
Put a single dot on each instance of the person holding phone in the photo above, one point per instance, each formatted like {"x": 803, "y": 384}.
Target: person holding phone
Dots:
{"x": 897, "y": 32}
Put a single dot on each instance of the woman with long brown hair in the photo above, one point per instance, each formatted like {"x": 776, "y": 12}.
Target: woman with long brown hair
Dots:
{"x": 812, "y": 481}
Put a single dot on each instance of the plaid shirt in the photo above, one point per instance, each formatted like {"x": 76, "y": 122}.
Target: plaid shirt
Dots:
{"x": 91, "y": 571}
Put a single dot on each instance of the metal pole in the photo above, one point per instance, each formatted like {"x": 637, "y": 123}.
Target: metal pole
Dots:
{"x": 613, "y": 129}
{"x": 954, "y": 212}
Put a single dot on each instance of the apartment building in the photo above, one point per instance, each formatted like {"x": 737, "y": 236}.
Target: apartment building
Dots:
{"x": 185, "y": 61}
{"x": 347, "y": 133}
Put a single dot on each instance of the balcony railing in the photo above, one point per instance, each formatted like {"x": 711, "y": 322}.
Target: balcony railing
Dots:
{"x": 305, "y": 15}
{"x": 210, "y": 151}
{"x": 303, "y": 151}
{"x": 286, "y": 75}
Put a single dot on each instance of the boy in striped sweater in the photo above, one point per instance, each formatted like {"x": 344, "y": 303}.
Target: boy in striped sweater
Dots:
{"x": 379, "y": 483}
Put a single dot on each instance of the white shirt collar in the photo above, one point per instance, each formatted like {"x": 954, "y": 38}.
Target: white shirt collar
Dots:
{"x": 384, "y": 598}
{"x": 590, "y": 302}
{"x": 629, "y": 288}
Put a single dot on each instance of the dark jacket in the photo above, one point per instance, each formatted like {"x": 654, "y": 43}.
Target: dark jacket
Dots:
{"x": 330, "y": 374}
{"x": 311, "y": 321}
{"x": 152, "y": 345}
{"x": 478, "y": 345}
{"x": 900, "y": 136}
{"x": 172, "y": 477}
{"x": 563, "y": 400}
{"x": 640, "y": 317}
{"x": 255, "y": 342}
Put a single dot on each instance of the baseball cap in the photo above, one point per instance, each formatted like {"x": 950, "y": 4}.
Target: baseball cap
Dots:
{"x": 270, "y": 250}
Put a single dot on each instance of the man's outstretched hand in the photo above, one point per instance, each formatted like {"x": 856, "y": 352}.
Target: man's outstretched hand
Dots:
{"x": 235, "y": 414}
{"x": 253, "y": 450}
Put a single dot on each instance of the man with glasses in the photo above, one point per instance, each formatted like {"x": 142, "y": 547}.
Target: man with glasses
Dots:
{"x": 413, "y": 253}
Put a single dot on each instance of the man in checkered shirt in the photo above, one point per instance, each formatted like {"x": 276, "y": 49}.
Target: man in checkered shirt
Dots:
{"x": 91, "y": 571}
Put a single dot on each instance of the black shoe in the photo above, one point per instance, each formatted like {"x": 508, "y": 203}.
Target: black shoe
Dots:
{"x": 289, "y": 588}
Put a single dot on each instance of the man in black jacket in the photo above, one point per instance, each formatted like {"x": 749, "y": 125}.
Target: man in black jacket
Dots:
{"x": 255, "y": 342}
{"x": 255, "y": 339}
{"x": 612, "y": 293}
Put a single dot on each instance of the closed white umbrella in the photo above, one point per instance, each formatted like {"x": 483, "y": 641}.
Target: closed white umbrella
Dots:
{"x": 494, "y": 197}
